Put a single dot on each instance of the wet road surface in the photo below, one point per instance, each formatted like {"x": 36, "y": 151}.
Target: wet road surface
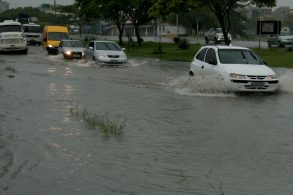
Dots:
{"x": 178, "y": 139}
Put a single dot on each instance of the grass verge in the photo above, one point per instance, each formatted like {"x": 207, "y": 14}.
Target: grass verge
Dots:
{"x": 274, "y": 57}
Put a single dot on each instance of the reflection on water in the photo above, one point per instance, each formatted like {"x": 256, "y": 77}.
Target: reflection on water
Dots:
{"x": 52, "y": 88}
{"x": 67, "y": 72}
{"x": 51, "y": 70}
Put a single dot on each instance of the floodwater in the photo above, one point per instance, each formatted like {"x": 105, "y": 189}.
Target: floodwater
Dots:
{"x": 177, "y": 139}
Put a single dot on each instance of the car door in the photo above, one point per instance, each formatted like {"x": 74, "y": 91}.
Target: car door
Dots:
{"x": 89, "y": 50}
{"x": 197, "y": 63}
{"x": 211, "y": 66}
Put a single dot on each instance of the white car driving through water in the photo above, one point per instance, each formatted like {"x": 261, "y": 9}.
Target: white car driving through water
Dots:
{"x": 105, "y": 52}
{"x": 239, "y": 68}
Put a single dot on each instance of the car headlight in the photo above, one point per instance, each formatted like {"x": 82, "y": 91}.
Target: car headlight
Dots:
{"x": 237, "y": 76}
{"x": 102, "y": 56}
{"x": 271, "y": 77}
{"x": 50, "y": 45}
{"x": 68, "y": 53}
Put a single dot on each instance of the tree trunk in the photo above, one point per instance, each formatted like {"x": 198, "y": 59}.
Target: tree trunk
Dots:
{"x": 222, "y": 24}
{"x": 137, "y": 34}
{"x": 120, "y": 29}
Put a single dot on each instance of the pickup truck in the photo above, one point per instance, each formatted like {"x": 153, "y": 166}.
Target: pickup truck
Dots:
{"x": 215, "y": 35}
{"x": 280, "y": 40}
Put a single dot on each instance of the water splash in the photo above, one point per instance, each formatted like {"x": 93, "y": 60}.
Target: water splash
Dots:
{"x": 286, "y": 81}
{"x": 200, "y": 86}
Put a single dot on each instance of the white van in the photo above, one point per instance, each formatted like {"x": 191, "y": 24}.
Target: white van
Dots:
{"x": 33, "y": 33}
{"x": 12, "y": 37}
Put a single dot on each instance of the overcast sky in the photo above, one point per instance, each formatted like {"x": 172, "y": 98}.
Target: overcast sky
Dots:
{"x": 36, "y": 3}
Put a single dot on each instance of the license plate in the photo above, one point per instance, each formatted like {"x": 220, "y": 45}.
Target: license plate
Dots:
{"x": 113, "y": 60}
{"x": 76, "y": 55}
{"x": 258, "y": 84}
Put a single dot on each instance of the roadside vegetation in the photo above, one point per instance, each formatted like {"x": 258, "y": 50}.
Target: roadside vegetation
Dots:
{"x": 274, "y": 57}
{"x": 105, "y": 124}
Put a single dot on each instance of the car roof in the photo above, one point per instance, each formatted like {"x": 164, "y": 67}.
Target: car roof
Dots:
{"x": 224, "y": 47}
{"x": 104, "y": 41}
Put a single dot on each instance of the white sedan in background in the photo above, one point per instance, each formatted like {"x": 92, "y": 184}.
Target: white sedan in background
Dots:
{"x": 105, "y": 52}
{"x": 239, "y": 68}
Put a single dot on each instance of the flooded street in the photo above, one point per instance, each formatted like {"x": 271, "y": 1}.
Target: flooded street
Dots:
{"x": 177, "y": 139}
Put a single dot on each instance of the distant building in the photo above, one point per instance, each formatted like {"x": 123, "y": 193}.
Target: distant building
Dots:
{"x": 256, "y": 12}
{"x": 3, "y": 6}
{"x": 281, "y": 13}
{"x": 147, "y": 30}
{"x": 290, "y": 14}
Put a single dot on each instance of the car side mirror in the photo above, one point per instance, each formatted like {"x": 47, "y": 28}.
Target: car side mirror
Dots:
{"x": 123, "y": 49}
{"x": 91, "y": 48}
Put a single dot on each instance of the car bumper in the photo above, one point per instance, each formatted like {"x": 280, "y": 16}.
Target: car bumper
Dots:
{"x": 13, "y": 48}
{"x": 254, "y": 86}
{"x": 73, "y": 55}
{"x": 111, "y": 61}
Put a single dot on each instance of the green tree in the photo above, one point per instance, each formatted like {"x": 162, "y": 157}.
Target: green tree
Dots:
{"x": 220, "y": 8}
{"x": 111, "y": 9}
{"x": 117, "y": 12}
{"x": 138, "y": 14}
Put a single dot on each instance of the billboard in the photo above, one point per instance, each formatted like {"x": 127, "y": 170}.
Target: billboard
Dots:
{"x": 268, "y": 27}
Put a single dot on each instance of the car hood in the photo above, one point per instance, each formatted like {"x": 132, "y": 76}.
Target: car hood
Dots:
{"x": 76, "y": 49}
{"x": 248, "y": 69}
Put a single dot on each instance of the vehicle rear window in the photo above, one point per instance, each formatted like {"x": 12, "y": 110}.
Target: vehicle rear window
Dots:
{"x": 200, "y": 56}
{"x": 238, "y": 56}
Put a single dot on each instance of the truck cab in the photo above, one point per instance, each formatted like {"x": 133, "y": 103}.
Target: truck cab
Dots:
{"x": 52, "y": 37}
{"x": 33, "y": 33}
{"x": 12, "y": 37}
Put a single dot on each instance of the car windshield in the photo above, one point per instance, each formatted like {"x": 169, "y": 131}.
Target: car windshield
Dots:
{"x": 218, "y": 30}
{"x": 72, "y": 44}
{"x": 32, "y": 29}
{"x": 107, "y": 46}
{"x": 10, "y": 28}
{"x": 57, "y": 36}
{"x": 238, "y": 56}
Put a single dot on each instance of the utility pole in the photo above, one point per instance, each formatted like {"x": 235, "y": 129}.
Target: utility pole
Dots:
{"x": 55, "y": 7}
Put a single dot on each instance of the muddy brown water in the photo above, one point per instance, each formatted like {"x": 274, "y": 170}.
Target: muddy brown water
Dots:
{"x": 178, "y": 139}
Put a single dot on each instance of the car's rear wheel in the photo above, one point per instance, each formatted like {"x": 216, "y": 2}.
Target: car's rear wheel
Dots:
{"x": 191, "y": 73}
